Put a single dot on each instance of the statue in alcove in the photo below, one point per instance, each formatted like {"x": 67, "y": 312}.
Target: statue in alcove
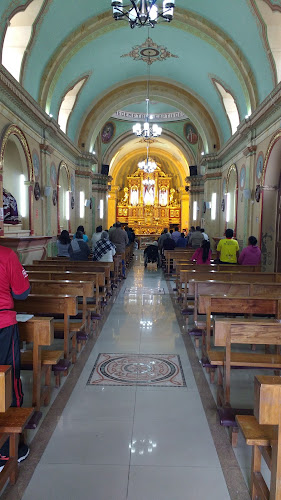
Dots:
{"x": 11, "y": 215}
{"x": 173, "y": 201}
{"x": 125, "y": 199}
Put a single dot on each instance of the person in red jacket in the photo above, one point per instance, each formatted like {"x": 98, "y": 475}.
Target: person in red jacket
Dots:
{"x": 13, "y": 284}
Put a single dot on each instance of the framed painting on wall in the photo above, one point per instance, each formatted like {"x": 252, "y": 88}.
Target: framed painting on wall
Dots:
{"x": 259, "y": 167}
{"x": 190, "y": 133}
{"x": 107, "y": 132}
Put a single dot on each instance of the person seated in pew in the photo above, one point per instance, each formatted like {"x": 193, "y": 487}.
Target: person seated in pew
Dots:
{"x": 181, "y": 241}
{"x": 196, "y": 238}
{"x": 251, "y": 255}
{"x": 14, "y": 283}
{"x": 82, "y": 230}
{"x": 228, "y": 249}
{"x": 78, "y": 249}
{"x": 96, "y": 237}
{"x": 169, "y": 243}
{"x": 203, "y": 254}
{"x": 104, "y": 250}
{"x": 63, "y": 243}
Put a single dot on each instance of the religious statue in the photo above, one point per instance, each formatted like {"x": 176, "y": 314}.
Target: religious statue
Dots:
{"x": 10, "y": 207}
{"x": 163, "y": 197}
{"x": 172, "y": 197}
{"x": 125, "y": 199}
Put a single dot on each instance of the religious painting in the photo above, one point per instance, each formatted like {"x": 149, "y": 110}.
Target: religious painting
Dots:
{"x": 190, "y": 133}
{"x": 259, "y": 167}
{"x": 53, "y": 176}
{"x": 107, "y": 132}
{"x": 242, "y": 178}
{"x": 54, "y": 197}
{"x": 36, "y": 165}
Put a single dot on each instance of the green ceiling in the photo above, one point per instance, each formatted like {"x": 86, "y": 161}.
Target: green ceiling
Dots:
{"x": 229, "y": 46}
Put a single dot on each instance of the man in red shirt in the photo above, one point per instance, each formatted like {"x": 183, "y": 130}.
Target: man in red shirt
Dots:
{"x": 13, "y": 284}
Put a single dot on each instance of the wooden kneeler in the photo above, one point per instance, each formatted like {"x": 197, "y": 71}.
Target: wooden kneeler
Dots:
{"x": 12, "y": 424}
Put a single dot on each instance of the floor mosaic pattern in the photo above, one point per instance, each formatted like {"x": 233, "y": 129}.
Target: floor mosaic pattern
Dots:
{"x": 144, "y": 291}
{"x": 161, "y": 370}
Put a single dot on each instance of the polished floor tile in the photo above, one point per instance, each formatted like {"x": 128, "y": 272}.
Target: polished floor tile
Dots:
{"x": 134, "y": 442}
{"x": 177, "y": 483}
{"x": 75, "y": 482}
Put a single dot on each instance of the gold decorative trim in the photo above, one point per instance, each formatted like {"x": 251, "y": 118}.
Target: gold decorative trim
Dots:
{"x": 15, "y": 130}
{"x": 232, "y": 168}
{"x": 272, "y": 143}
{"x": 65, "y": 166}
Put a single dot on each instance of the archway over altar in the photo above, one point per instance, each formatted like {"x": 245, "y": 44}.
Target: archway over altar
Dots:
{"x": 148, "y": 203}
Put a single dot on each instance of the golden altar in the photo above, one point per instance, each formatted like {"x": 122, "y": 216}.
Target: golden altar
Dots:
{"x": 149, "y": 203}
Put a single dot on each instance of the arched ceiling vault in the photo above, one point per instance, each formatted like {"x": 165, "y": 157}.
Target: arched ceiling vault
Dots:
{"x": 167, "y": 142}
{"x": 163, "y": 91}
{"x": 230, "y": 40}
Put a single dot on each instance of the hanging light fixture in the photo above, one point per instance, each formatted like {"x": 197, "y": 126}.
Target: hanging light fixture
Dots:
{"x": 148, "y": 182}
{"x": 143, "y": 12}
{"x": 147, "y": 165}
{"x": 148, "y": 130}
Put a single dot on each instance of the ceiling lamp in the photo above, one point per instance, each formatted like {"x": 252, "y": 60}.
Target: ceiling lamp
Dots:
{"x": 143, "y": 12}
{"x": 148, "y": 130}
{"x": 147, "y": 165}
{"x": 148, "y": 182}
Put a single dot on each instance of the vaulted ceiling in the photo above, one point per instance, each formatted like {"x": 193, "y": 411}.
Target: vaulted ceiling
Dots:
{"x": 232, "y": 42}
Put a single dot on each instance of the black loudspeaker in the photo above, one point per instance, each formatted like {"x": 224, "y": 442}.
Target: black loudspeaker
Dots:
{"x": 193, "y": 170}
{"x": 104, "y": 169}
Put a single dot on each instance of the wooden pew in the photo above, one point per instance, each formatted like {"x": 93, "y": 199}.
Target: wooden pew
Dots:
{"x": 75, "y": 267}
{"x": 12, "y": 424}
{"x": 98, "y": 279}
{"x": 209, "y": 304}
{"x": 177, "y": 253}
{"x": 233, "y": 288}
{"x": 254, "y": 277}
{"x": 84, "y": 289}
{"x": 229, "y": 331}
{"x": 39, "y": 332}
{"x": 263, "y": 432}
{"x": 53, "y": 304}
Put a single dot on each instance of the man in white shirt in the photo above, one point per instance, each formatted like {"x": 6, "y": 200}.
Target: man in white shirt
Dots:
{"x": 206, "y": 237}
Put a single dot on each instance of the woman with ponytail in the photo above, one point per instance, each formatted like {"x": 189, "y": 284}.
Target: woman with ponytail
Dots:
{"x": 203, "y": 254}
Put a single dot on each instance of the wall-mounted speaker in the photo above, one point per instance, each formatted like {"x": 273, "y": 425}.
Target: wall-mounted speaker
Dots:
{"x": 193, "y": 170}
{"x": 104, "y": 169}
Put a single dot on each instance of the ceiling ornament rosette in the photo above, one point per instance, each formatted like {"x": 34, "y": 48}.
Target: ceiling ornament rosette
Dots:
{"x": 149, "y": 52}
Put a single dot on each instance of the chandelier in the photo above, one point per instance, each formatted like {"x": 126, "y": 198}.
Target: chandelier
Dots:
{"x": 147, "y": 165}
{"x": 148, "y": 130}
{"x": 148, "y": 182}
{"x": 143, "y": 12}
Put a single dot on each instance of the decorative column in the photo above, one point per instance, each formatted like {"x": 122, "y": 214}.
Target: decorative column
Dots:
{"x": 196, "y": 195}
{"x": 99, "y": 192}
{"x": 184, "y": 201}
{"x": 250, "y": 183}
{"x": 112, "y": 205}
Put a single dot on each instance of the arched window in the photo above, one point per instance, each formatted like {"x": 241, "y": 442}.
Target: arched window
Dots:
{"x": 272, "y": 18}
{"x": 17, "y": 37}
{"x": 68, "y": 104}
{"x": 229, "y": 106}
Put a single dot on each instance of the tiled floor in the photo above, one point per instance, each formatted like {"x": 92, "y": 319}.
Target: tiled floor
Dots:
{"x": 133, "y": 442}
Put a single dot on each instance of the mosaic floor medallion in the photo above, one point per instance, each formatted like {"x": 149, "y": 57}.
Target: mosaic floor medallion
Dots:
{"x": 162, "y": 370}
{"x": 144, "y": 291}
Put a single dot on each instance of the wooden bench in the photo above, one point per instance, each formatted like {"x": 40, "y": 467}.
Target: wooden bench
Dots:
{"x": 12, "y": 424}
{"x": 245, "y": 277}
{"x": 197, "y": 288}
{"x": 84, "y": 289}
{"x": 39, "y": 332}
{"x": 263, "y": 432}
{"x": 231, "y": 331}
{"x": 53, "y": 304}
{"x": 209, "y": 304}
{"x": 97, "y": 279}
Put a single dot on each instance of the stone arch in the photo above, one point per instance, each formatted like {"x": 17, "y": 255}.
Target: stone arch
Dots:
{"x": 9, "y": 131}
{"x": 165, "y": 91}
{"x": 62, "y": 167}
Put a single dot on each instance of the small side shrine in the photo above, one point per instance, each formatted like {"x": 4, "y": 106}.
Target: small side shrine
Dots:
{"x": 149, "y": 203}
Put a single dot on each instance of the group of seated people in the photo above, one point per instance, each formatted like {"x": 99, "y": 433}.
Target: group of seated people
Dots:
{"x": 227, "y": 249}
{"x": 104, "y": 243}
